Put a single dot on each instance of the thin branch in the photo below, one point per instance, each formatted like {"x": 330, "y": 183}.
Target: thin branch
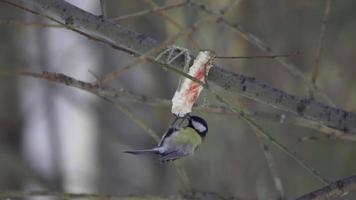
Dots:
{"x": 274, "y": 172}
{"x": 72, "y": 28}
{"x": 258, "y": 56}
{"x": 139, "y": 122}
{"x": 320, "y": 48}
{"x": 271, "y": 165}
{"x": 260, "y": 132}
{"x": 229, "y": 6}
{"x": 301, "y": 122}
{"x": 314, "y": 139}
{"x": 330, "y": 132}
{"x": 124, "y": 95}
{"x": 163, "y": 14}
{"x": 117, "y": 72}
{"x": 191, "y": 195}
{"x": 256, "y": 41}
{"x": 150, "y": 11}
{"x": 172, "y": 21}
{"x": 180, "y": 170}
{"x": 103, "y": 8}
{"x": 334, "y": 190}
{"x": 32, "y": 24}
{"x": 62, "y": 195}
{"x": 257, "y": 128}
{"x": 267, "y": 153}
{"x": 232, "y": 82}
{"x": 95, "y": 89}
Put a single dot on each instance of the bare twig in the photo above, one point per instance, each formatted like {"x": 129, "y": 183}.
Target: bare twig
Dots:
{"x": 268, "y": 155}
{"x": 313, "y": 138}
{"x": 32, "y": 24}
{"x": 334, "y": 190}
{"x": 258, "y": 129}
{"x": 256, "y": 41}
{"x": 271, "y": 165}
{"x": 320, "y": 48}
{"x": 329, "y": 132}
{"x": 114, "y": 74}
{"x": 163, "y": 14}
{"x": 103, "y": 8}
{"x": 94, "y": 88}
{"x": 274, "y": 172}
{"x": 232, "y": 82}
{"x": 124, "y": 95}
{"x": 72, "y": 28}
{"x": 229, "y": 6}
{"x": 62, "y": 195}
{"x": 150, "y": 11}
{"x": 169, "y": 19}
{"x": 253, "y": 124}
{"x": 134, "y": 118}
{"x": 190, "y": 195}
{"x": 180, "y": 170}
{"x": 260, "y": 132}
{"x": 258, "y": 56}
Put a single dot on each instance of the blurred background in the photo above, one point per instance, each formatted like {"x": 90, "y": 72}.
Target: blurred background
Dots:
{"x": 54, "y": 137}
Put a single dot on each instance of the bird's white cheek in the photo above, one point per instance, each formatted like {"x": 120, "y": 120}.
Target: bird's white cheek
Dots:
{"x": 198, "y": 126}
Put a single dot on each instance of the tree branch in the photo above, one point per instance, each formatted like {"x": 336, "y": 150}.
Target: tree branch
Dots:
{"x": 249, "y": 87}
{"x": 149, "y": 11}
{"x": 62, "y": 195}
{"x": 333, "y": 191}
{"x": 194, "y": 195}
{"x": 122, "y": 94}
{"x": 336, "y": 189}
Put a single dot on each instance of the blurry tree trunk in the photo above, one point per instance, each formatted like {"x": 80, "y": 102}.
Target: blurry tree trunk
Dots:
{"x": 10, "y": 116}
{"x": 40, "y": 141}
{"x": 60, "y": 136}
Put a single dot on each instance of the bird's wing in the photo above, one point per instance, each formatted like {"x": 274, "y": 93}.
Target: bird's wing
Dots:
{"x": 172, "y": 156}
{"x": 168, "y": 132}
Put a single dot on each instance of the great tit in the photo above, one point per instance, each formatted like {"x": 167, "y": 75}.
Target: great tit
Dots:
{"x": 178, "y": 141}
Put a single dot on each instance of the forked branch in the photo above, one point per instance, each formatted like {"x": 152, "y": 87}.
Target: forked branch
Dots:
{"x": 332, "y": 191}
{"x": 115, "y": 34}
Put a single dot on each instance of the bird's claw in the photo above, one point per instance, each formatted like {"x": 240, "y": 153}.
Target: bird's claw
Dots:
{"x": 172, "y": 53}
{"x": 178, "y": 121}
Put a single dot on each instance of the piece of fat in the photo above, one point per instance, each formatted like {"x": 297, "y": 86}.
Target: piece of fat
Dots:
{"x": 188, "y": 91}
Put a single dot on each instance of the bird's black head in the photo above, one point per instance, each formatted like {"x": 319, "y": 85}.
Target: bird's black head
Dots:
{"x": 198, "y": 124}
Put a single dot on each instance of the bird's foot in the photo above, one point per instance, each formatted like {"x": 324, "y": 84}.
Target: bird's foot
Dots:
{"x": 178, "y": 121}
{"x": 172, "y": 53}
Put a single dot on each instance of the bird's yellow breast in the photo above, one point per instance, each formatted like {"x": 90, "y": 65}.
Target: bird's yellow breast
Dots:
{"x": 188, "y": 136}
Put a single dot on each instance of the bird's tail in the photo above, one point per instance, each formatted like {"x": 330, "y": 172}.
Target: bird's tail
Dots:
{"x": 144, "y": 151}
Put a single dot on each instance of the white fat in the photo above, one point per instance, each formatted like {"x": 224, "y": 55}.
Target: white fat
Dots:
{"x": 199, "y": 126}
{"x": 183, "y": 99}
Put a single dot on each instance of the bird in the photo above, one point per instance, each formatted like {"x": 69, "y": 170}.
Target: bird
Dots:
{"x": 178, "y": 142}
